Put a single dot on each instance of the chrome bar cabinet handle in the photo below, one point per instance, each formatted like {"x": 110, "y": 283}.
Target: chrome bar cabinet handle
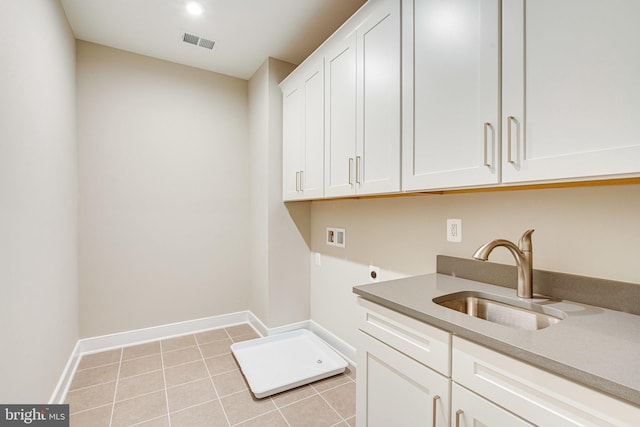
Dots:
{"x": 350, "y": 167}
{"x": 510, "y": 121}
{"x": 486, "y": 127}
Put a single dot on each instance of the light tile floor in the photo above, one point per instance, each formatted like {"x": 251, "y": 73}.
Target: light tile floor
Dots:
{"x": 192, "y": 381}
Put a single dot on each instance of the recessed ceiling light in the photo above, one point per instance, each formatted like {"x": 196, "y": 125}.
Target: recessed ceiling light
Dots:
{"x": 194, "y": 8}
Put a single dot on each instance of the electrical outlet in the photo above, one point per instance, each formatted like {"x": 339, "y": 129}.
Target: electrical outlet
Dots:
{"x": 374, "y": 273}
{"x": 454, "y": 230}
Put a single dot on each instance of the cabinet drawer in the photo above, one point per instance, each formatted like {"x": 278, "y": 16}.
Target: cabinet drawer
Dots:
{"x": 470, "y": 410}
{"x": 426, "y": 344}
{"x": 534, "y": 394}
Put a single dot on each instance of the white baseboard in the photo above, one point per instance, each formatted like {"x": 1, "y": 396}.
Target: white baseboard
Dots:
{"x": 341, "y": 346}
{"x": 140, "y": 336}
{"x": 64, "y": 382}
{"x": 265, "y": 331}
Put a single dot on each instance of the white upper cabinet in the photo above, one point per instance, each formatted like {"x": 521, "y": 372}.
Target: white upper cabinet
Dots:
{"x": 303, "y": 132}
{"x": 292, "y": 97}
{"x": 340, "y": 110}
{"x": 463, "y": 94}
{"x": 379, "y": 95}
{"x": 571, "y": 89}
{"x": 362, "y": 75}
{"x": 450, "y": 93}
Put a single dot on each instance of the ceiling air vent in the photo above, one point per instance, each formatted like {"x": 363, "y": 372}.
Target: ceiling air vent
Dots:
{"x": 206, "y": 43}
{"x": 190, "y": 38}
{"x": 198, "y": 41}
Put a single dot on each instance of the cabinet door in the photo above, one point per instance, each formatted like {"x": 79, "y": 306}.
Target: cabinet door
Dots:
{"x": 571, "y": 93}
{"x": 312, "y": 177}
{"x": 470, "y": 410}
{"x": 378, "y": 139}
{"x": 395, "y": 390}
{"x": 303, "y": 132}
{"x": 451, "y": 93}
{"x": 292, "y": 116}
{"x": 340, "y": 117}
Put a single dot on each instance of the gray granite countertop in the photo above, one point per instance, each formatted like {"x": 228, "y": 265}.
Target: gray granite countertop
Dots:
{"x": 594, "y": 346}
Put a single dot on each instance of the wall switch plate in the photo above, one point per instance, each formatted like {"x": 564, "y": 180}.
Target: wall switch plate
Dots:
{"x": 336, "y": 237}
{"x": 454, "y": 230}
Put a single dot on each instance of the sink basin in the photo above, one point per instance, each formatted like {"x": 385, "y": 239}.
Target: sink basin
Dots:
{"x": 504, "y": 311}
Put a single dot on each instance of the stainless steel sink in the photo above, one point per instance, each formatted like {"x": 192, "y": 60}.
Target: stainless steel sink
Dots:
{"x": 502, "y": 310}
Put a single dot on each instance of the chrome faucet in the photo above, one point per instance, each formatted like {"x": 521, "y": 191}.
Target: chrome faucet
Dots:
{"x": 523, "y": 253}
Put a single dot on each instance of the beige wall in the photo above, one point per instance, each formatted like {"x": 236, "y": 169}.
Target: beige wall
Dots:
{"x": 163, "y": 195}
{"x": 590, "y": 231}
{"x": 279, "y": 291}
{"x": 259, "y": 184}
{"x": 38, "y": 286}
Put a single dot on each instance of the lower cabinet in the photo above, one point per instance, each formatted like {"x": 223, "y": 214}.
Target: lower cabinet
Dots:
{"x": 395, "y": 390}
{"x": 403, "y": 370}
{"x": 413, "y": 374}
{"x": 533, "y": 394}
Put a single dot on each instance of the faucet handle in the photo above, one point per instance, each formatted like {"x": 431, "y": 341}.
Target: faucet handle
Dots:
{"x": 525, "y": 241}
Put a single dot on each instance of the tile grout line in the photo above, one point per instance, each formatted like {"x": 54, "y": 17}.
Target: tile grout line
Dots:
{"x": 215, "y": 390}
{"x": 342, "y": 419}
{"x": 334, "y": 410}
{"x": 164, "y": 379}
{"x": 140, "y": 374}
{"x": 187, "y": 383}
{"x": 331, "y": 406}
{"x": 146, "y": 355}
{"x": 280, "y": 412}
{"x": 296, "y": 401}
{"x": 118, "y": 378}
{"x": 90, "y": 409}
{"x": 194, "y": 406}
{"x": 97, "y": 366}
{"x": 115, "y": 390}
{"x": 87, "y": 387}
{"x": 145, "y": 421}
{"x": 141, "y": 395}
{"x": 153, "y": 353}
{"x": 262, "y": 415}
{"x": 223, "y": 372}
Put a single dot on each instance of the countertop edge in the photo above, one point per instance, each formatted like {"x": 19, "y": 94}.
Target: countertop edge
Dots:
{"x": 611, "y": 388}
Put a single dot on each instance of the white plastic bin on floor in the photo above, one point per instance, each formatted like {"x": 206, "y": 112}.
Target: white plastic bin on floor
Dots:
{"x": 281, "y": 362}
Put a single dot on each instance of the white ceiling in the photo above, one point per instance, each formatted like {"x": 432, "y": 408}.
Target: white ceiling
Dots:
{"x": 246, "y": 32}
